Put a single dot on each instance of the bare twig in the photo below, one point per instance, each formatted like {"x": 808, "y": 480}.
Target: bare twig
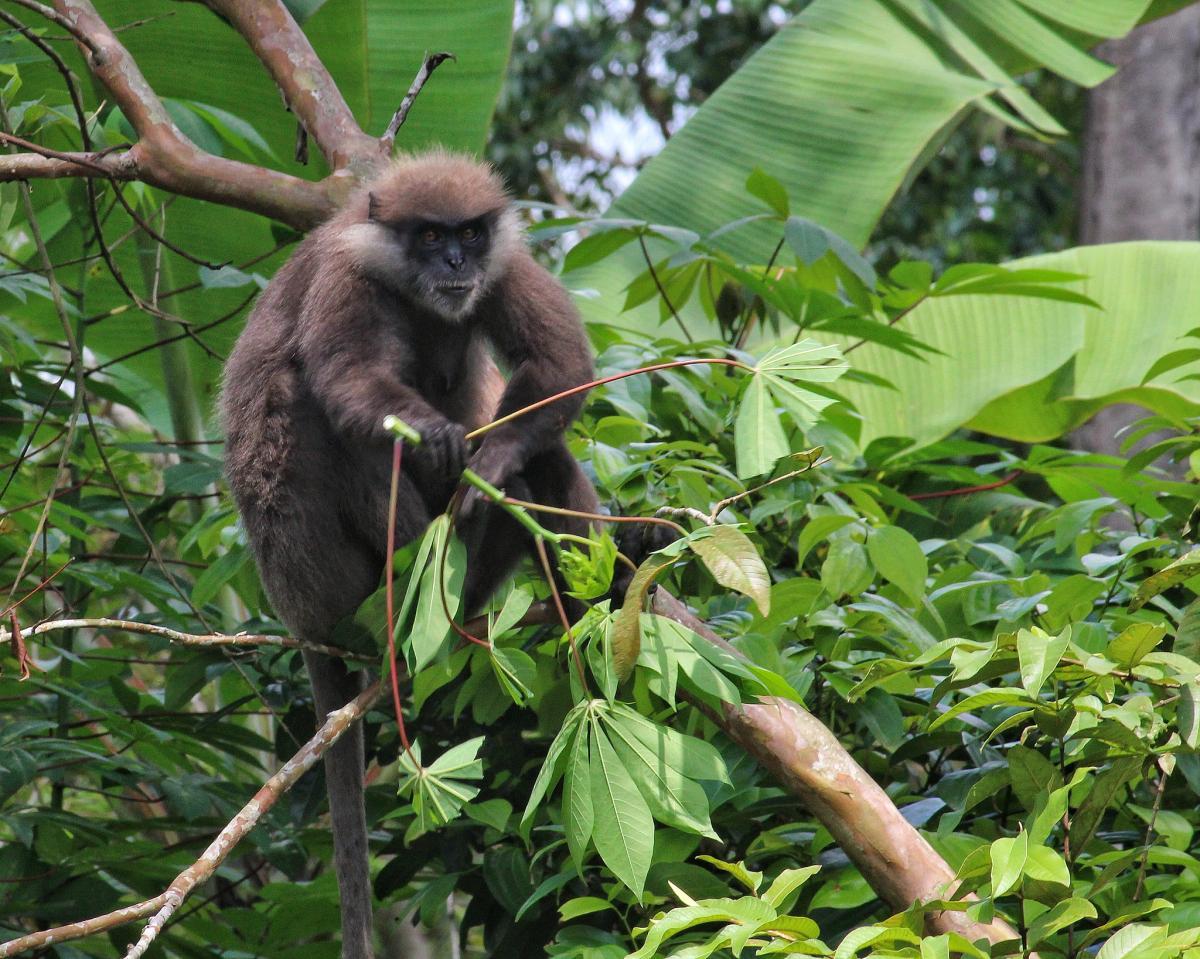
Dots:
{"x": 1158, "y": 798}
{"x": 431, "y": 63}
{"x": 338, "y": 722}
{"x": 91, "y": 166}
{"x": 661, "y": 290}
{"x": 188, "y": 639}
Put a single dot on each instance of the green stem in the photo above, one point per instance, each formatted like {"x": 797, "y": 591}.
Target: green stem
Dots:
{"x": 521, "y": 516}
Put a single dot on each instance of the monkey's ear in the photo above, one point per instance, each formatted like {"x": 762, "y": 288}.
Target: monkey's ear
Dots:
{"x": 372, "y": 207}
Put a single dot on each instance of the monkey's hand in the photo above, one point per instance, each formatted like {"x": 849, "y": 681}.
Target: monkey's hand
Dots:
{"x": 442, "y": 453}
{"x": 495, "y": 461}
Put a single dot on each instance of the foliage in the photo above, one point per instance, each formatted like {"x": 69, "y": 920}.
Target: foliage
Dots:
{"x": 1006, "y": 636}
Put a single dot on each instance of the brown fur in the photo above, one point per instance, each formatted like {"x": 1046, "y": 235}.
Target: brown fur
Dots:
{"x": 338, "y": 340}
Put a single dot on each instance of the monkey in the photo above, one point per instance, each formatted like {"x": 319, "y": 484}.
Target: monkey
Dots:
{"x": 396, "y": 305}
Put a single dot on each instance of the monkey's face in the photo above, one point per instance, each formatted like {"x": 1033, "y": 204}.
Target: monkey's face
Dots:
{"x": 449, "y": 262}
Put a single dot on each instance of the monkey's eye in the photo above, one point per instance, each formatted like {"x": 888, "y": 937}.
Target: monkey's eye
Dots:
{"x": 430, "y": 237}
{"x": 469, "y": 233}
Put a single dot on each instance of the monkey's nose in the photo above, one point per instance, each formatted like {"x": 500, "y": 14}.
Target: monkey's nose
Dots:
{"x": 454, "y": 262}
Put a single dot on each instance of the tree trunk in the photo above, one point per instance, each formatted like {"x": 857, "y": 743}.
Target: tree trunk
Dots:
{"x": 1141, "y": 160}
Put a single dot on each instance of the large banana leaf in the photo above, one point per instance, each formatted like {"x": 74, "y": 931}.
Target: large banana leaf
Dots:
{"x": 842, "y": 105}
{"x": 1031, "y": 369}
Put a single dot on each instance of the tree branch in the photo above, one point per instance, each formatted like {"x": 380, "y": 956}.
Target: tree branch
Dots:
{"x": 163, "y": 156}
{"x": 809, "y": 762}
{"x": 308, "y": 89}
{"x": 186, "y": 639}
{"x": 432, "y": 62}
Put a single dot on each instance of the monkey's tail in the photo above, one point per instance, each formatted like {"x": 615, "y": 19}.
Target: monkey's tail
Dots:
{"x": 334, "y": 686}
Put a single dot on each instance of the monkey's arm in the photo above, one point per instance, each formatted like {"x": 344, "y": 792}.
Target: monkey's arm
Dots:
{"x": 353, "y": 365}
{"x": 537, "y": 330}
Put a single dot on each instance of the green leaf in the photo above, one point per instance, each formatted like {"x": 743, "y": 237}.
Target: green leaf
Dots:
{"x": 845, "y": 571}
{"x": 673, "y": 799}
{"x": 624, "y": 829}
{"x": 758, "y": 437}
{"x": 1187, "y": 636}
{"x": 516, "y": 604}
{"x": 690, "y": 756}
{"x": 1133, "y": 940}
{"x": 1134, "y": 643}
{"x": 578, "y": 813}
{"x": 1187, "y": 714}
{"x": 1038, "y": 655}
{"x": 1046, "y": 865}
{"x": 582, "y": 906}
{"x": 1008, "y": 863}
{"x": 516, "y": 672}
{"x": 735, "y": 563}
{"x": 1031, "y": 774}
{"x": 788, "y": 882}
{"x": 807, "y": 239}
{"x": 444, "y": 574}
{"x": 1181, "y": 569}
{"x": 1105, "y": 788}
{"x": 748, "y": 878}
{"x": 769, "y": 190}
{"x": 556, "y": 760}
{"x": 899, "y": 559}
{"x": 217, "y": 574}
{"x": 1064, "y": 914}
{"x": 983, "y": 700}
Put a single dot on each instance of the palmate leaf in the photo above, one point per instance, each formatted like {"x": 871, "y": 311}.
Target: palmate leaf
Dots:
{"x": 440, "y": 790}
{"x": 759, "y": 438}
{"x": 624, "y": 829}
{"x": 673, "y": 798}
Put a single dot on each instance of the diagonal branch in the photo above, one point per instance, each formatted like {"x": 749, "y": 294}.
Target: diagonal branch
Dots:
{"x": 431, "y": 62}
{"x": 308, "y": 89}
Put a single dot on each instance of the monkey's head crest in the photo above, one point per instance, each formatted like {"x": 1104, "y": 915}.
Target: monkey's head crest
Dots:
{"x": 437, "y": 184}
{"x": 439, "y": 228}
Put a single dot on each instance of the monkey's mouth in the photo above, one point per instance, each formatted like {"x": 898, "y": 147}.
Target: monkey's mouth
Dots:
{"x": 455, "y": 289}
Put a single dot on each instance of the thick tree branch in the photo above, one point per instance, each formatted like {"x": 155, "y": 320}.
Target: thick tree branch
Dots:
{"x": 305, "y": 83}
{"x": 165, "y": 158}
{"x": 808, "y": 761}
